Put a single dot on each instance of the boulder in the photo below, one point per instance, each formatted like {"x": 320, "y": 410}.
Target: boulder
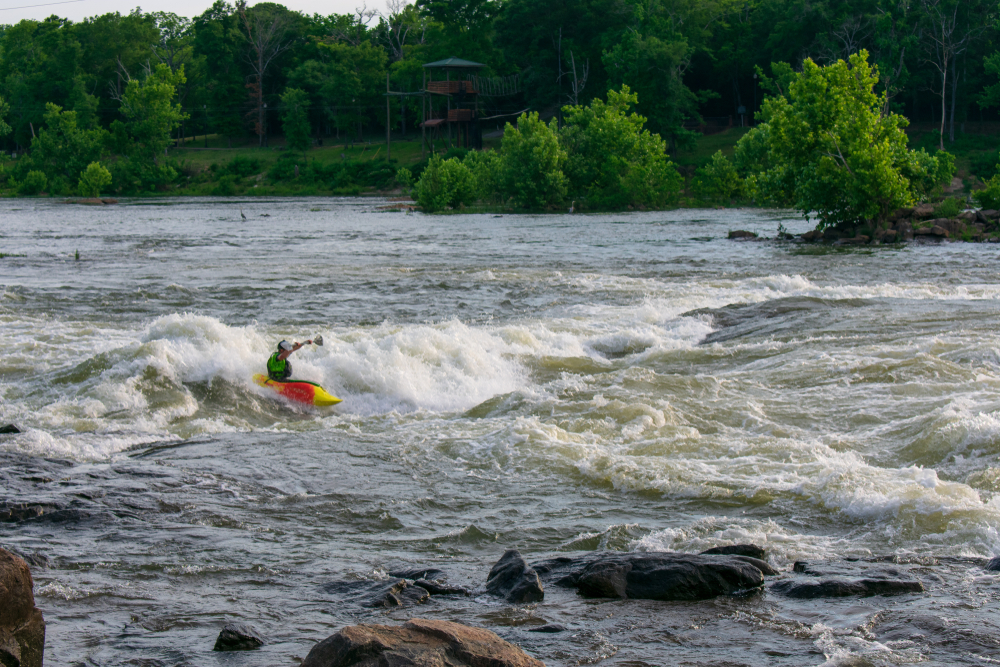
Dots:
{"x": 238, "y": 637}
{"x": 439, "y": 588}
{"x": 548, "y": 627}
{"x": 990, "y": 214}
{"x": 901, "y": 213}
{"x": 657, "y": 575}
{"x": 8, "y": 429}
{"x": 812, "y": 235}
{"x": 922, "y": 231}
{"x": 415, "y": 573}
{"x": 923, "y": 211}
{"x": 939, "y": 231}
{"x": 22, "y": 627}
{"x": 742, "y": 234}
{"x": 387, "y": 594}
{"x": 751, "y": 550}
{"x": 967, "y": 216}
{"x": 889, "y": 236}
{"x": 861, "y": 239}
{"x": 904, "y": 230}
{"x": 994, "y": 239}
{"x": 514, "y": 580}
{"x": 993, "y": 565}
{"x": 844, "y": 579}
{"x": 420, "y": 642}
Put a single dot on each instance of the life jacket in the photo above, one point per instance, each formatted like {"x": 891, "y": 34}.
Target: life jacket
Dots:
{"x": 278, "y": 369}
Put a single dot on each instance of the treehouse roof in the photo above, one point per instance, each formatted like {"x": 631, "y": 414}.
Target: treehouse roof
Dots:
{"x": 454, "y": 63}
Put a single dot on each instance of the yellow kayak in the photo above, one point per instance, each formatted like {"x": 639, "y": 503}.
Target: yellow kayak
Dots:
{"x": 299, "y": 391}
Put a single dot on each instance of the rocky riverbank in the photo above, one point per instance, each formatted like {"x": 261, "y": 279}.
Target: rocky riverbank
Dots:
{"x": 907, "y": 224}
{"x": 735, "y": 571}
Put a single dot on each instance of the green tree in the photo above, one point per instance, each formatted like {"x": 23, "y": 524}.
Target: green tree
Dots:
{"x": 93, "y": 179}
{"x": 531, "y": 164}
{"x": 4, "y": 109}
{"x": 612, "y": 161}
{"x": 295, "y": 118}
{"x": 833, "y": 148}
{"x": 717, "y": 181}
{"x": 444, "y": 184}
{"x": 62, "y": 149}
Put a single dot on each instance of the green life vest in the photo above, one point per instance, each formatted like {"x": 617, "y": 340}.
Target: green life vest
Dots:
{"x": 278, "y": 369}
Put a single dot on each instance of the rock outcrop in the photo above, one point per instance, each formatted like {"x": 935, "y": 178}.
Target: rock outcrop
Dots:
{"x": 831, "y": 580}
{"x": 238, "y": 637}
{"x": 419, "y": 642}
{"x": 993, "y": 565}
{"x": 22, "y": 628}
{"x": 514, "y": 580}
{"x": 657, "y": 575}
{"x": 742, "y": 234}
{"x": 387, "y": 594}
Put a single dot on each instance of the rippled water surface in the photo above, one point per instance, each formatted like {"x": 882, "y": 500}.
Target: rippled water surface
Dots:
{"x": 554, "y": 383}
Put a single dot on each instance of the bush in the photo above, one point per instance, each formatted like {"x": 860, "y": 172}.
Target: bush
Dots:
{"x": 445, "y": 183}
{"x": 717, "y": 181}
{"x": 531, "y": 164}
{"x": 990, "y": 197}
{"x": 34, "y": 183}
{"x": 485, "y": 169}
{"x": 226, "y": 186}
{"x": 405, "y": 178}
{"x": 242, "y": 166}
{"x": 983, "y": 164}
{"x": 93, "y": 179}
{"x": 949, "y": 208}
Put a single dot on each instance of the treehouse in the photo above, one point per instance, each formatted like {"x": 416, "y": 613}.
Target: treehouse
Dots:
{"x": 451, "y": 102}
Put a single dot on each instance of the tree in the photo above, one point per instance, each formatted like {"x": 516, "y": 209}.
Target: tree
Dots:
{"x": 612, "y": 161}
{"x": 834, "y": 150}
{"x": 266, "y": 28}
{"x": 295, "y": 121}
{"x": 62, "y": 149}
{"x": 93, "y": 179}
{"x": 443, "y": 184}
{"x": 531, "y": 163}
{"x": 4, "y": 109}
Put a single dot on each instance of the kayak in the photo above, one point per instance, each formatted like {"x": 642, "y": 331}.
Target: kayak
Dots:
{"x": 299, "y": 391}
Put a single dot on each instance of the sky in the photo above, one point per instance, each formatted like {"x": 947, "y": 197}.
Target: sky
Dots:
{"x": 12, "y": 11}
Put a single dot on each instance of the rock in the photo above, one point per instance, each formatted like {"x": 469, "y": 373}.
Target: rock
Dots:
{"x": 982, "y": 218}
{"x": 923, "y": 211}
{"x": 828, "y": 580}
{"x": 658, "y": 576}
{"x": 993, "y": 565}
{"x": 435, "y": 588}
{"x": 420, "y": 642}
{"x": 993, "y": 239}
{"x": 861, "y": 239}
{"x": 838, "y": 587}
{"x": 922, "y": 231}
{"x": 812, "y": 235}
{"x": 388, "y": 594}
{"x": 9, "y": 428}
{"x": 238, "y": 637}
{"x": 751, "y": 550}
{"x": 109, "y": 200}
{"x": 514, "y": 580}
{"x": 742, "y": 234}
{"x": 939, "y": 231}
{"x": 22, "y": 627}
{"x": 418, "y": 573}
{"x": 889, "y": 236}
{"x": 548, "y": 627}
{"x": 990, "y": 214}
{"x": 901, "y": 213}
{"x": 967, "y": 216}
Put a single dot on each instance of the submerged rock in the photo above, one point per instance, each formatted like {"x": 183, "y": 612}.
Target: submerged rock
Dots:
{"x": 993, "y": 565}
{"x": 418, "y": 642}
{"x": 548, "y": 628}
{"x": 742, "y": 234}
{"x": 514, "y": 580}
{"x": 657, "y": 576}
{"x": 751, "y": 550}
{"x": 440, "y": 588}
{"x": 238, "y": 637}
{"x": 22, "y": 627}
{"x": 387, "y": 594}
{"x": 7, "y": 429}
{"x": 830, "y": 580}
{"x": 415, "y": 573}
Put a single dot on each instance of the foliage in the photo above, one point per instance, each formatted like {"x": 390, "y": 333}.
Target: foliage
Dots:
{"x": 949, "y": 208}
{"x": 242, "y": 166}
{"x": 93, "y": 180}
{"x": 612, "y": 161}
{"x": 62, "y": 148}
{"x": 989, "y": 198}
{"x": 485, "y": 169}
{"x": 295, "y": 121}
{"x": 717, "y": 181}
{"x": 531, "y": 164}
{"x": 832, "y": 149}
{"x": 405, "y": 178}
{"x": 4, "y": 109}
{"x": 445, "y": 184}
{"x": 33, "y": 183}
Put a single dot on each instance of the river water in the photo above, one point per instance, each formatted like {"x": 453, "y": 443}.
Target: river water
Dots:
{"x": 554, "y": 383}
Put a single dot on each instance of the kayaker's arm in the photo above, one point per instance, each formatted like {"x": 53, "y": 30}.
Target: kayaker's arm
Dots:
{"x": 284, "y": 353}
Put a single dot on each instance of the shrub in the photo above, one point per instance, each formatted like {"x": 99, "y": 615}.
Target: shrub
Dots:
{"x": 531, "y": 164}
{"x": 242, "y": 166}
{"x": 445, "y": 183}
{"x": 485, "y": 169}
{"x": 949, "y": 208}
{"x": 983, "y": 164}
{"x": 405, "y": 178}
{"x": 226, "y": 186}
{"x": 990, "y": 197}
{"x": 93, "y": 179}
{"x": 717, "y": 180}
{"x": 34, "y": 183}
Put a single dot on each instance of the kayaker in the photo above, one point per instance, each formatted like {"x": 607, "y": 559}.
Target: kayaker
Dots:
{"x": 278, "y": 366}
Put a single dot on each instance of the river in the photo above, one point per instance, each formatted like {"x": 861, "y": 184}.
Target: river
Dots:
{"x": 555, "y": 383}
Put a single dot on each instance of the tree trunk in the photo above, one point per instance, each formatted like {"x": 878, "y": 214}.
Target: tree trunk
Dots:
{"x": 944, "y": 108}
{"x": 954, "y": 94}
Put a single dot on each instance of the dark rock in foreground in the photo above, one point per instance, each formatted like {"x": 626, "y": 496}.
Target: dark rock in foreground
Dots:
{"x": 238, "y": 637}
{"x": 439, "y": 588}
{"x": 742, "y": 234}
{"x": 831, "y": 580}
{"x": 386, "y": 594}
{"x": 514, "y": 580}
{"x": 8, "y": 429}
{"x": 419, "y": 642}
{"x": 22, "y": 628}
{"x": 548, "y": 628}
{"x": 657, "y": 576}
{"x": 415, "y": 573}
{"x": 993, "y": 565}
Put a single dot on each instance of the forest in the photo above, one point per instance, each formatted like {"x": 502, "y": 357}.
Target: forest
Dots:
{"x": 115, "y": 83}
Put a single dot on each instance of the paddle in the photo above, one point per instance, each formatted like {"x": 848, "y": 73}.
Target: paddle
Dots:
{"x": 318, "y": 340}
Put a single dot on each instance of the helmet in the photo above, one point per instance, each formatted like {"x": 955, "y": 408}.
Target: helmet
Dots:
{"x": 284, "y": 345}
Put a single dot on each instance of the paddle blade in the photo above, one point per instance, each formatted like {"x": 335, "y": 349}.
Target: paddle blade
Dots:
{"x": 318, "y": 340}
